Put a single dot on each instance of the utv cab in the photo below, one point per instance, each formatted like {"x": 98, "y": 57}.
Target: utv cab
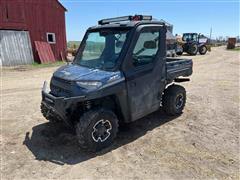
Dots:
{"x": 120, "y": 74}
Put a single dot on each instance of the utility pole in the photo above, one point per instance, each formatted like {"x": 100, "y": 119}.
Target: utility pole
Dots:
{"x": 210, "y": 34}
{"x": 210, "y": 40}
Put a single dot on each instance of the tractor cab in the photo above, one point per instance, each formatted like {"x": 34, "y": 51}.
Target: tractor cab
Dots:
{"x": 190, "y": 37}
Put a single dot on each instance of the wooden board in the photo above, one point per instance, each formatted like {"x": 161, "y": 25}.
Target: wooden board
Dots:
{"x": 44, "y": 51}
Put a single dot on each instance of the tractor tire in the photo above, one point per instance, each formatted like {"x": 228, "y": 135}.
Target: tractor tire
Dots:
{"x": 179, "y": 53}
{"x": 53, "y": 118}
{"x": 174, "y": 100}
{"x": 203, "y": 50}
{"x": 192, "y": 49}
{"x": 96, "y": 129}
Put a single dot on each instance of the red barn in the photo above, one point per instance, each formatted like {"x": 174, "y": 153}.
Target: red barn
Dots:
{"x": 23, "y": 21}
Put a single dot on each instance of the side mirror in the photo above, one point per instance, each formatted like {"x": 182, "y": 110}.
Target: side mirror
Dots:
{"x": 150, "y": 45}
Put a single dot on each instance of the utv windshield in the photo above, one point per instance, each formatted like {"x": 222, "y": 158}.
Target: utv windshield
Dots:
{"x": 101, "y": 49}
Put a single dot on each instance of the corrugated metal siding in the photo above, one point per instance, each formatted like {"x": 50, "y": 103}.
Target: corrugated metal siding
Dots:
{"x": 39, "y": 17}
{"x": 15, "y": 48}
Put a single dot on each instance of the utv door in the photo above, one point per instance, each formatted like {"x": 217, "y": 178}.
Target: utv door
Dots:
{"x": 146, "y": 75}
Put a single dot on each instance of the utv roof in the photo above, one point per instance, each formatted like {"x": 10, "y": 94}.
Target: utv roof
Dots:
{"x": 126, "y": 21}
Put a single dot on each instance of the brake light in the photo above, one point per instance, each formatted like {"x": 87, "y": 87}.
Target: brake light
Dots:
{"x": 136, "y": 18}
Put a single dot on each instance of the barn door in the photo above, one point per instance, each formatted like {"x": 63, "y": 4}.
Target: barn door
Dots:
{"x": 15, "y": 48}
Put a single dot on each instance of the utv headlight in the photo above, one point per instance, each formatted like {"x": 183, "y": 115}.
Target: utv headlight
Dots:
{"x": 89, "y": 84}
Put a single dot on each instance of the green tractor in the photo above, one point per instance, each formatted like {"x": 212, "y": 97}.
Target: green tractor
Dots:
{"x": 192, "y": 43}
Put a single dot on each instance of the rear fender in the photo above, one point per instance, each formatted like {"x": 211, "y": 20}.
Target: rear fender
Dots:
{"x": 201, "y": 44}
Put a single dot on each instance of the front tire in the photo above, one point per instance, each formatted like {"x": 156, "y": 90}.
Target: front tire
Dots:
{"x": 174, "y": 100}
{"x": 96, "y": 129}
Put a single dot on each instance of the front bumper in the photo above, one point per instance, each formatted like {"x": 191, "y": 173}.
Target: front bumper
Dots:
{"x": 59, "y": 105}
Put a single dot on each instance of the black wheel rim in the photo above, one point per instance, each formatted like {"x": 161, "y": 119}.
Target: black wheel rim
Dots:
{"x": 179, "y": 101}
{"x": 101, "y": 130}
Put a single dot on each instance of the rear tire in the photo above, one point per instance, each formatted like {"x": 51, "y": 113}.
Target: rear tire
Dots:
{"x": 174, "y": 100}
{"x": 96, "y": 129}
{"x": 179, "y": 53}
{"x": 203, "y": 50}
{"x": 192, "y": 49}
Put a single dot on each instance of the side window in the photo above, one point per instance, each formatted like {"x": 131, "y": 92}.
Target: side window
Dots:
{"x": 195, "y": 37}
{"x": 146, "y": 48}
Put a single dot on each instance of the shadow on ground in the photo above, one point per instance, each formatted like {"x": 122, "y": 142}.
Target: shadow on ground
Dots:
{"x": 55, "y": 143}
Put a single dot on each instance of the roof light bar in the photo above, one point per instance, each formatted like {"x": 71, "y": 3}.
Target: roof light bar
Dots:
{"x": 125, "y": 18}
{"x": 111, "y": 20}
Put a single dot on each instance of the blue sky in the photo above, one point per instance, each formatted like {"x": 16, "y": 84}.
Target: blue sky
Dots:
{"x": 185, "y": 15}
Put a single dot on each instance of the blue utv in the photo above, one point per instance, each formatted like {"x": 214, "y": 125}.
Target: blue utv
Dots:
{"x": 120, "y": 74}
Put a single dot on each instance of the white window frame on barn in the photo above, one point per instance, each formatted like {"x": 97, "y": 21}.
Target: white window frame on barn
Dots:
{"x": 53, "y": 37}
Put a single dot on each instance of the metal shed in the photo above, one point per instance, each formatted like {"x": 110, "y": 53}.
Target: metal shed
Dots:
{"x": 42, "y": 20}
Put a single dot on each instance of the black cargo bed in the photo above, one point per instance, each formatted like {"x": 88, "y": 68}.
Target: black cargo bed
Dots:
{"x": 176, "y": 67}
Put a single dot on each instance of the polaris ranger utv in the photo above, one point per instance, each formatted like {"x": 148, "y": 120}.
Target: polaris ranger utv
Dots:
{"x": 120, "y": 74}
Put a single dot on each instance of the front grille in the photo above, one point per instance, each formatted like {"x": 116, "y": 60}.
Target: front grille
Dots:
{"x": 58, "y": 91}
{"x": 60, "y": 87}
{"x": 61, "y": 80}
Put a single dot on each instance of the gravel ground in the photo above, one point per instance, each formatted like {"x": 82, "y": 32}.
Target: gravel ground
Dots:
{"x": 202, "y": 143}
